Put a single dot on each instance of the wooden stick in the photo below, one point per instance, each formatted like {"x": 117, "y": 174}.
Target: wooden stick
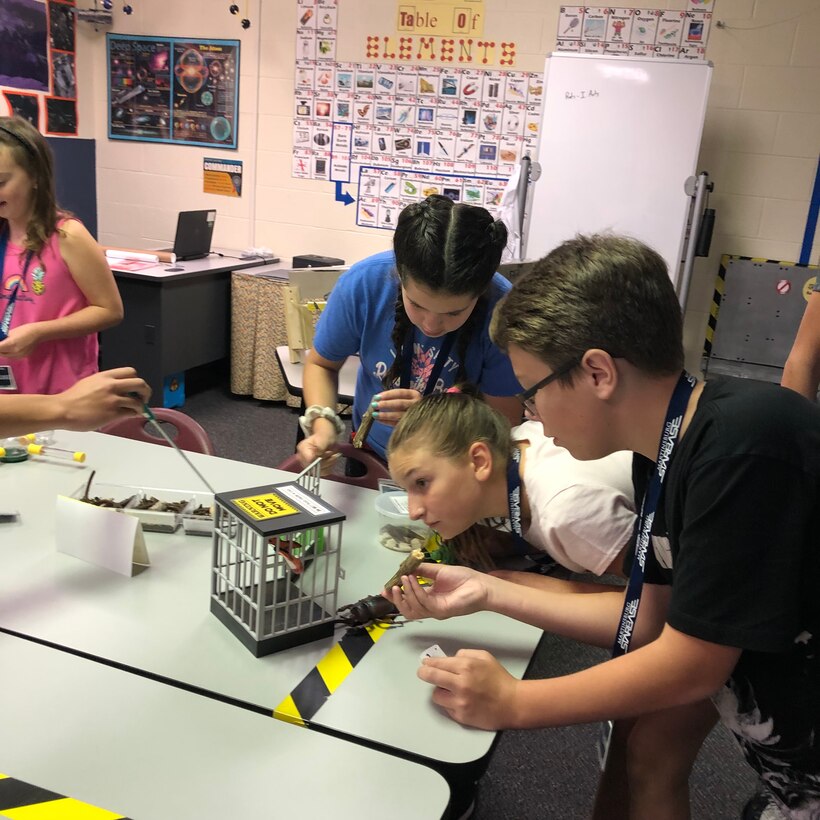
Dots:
{"x": 364, "y": 428}
{"x": 407, "y": 567}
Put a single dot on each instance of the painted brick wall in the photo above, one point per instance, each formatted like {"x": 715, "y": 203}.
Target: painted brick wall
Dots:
{"x": 760, "y": 145}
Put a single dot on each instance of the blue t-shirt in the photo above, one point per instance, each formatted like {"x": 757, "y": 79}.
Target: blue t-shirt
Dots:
{"x": 359, "y": 318}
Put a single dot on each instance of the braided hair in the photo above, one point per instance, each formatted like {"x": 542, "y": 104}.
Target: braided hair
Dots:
{"x": 446, "y": 247}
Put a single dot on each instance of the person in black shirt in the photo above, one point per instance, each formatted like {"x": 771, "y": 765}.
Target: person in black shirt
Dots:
{"x": 736, "y": 588}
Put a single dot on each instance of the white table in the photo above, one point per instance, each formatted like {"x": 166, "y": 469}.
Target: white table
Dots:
{"x": 134, "y": 746}
{"x": 159, "y": 621}
{"x": 292, "y": 372}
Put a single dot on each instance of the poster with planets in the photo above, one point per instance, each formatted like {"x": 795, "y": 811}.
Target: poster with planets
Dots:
{"x": 170, "y": 89}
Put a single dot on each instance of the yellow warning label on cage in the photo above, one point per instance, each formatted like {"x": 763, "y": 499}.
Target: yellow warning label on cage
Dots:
{"x": 263, "y": 507}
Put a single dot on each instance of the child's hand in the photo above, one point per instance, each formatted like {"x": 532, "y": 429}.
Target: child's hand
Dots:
{"x": 20, "y": 342}
{"x": 473, "y": 688}
{"x": 455, "y": 591}
{"x": 102, "y": 397}
{"x": 321, "y": 443}
{"x": 392, "y": 404}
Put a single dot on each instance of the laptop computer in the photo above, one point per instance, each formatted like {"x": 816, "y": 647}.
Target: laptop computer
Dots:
{"x": 193, "y": 236}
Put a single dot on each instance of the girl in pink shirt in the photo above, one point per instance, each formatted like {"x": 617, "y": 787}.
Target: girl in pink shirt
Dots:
{"x": 56, "y": 289}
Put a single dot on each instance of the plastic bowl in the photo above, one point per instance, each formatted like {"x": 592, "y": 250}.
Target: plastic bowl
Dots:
{"x": 396, "y": 530}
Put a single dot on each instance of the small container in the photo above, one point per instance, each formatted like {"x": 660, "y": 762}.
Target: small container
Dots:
{"x": 151, "y": 520}
{"x": 396, "y": 530}
{"x": 12, "y": 449}
{"x": 199, "y": 517}
{"x": 161, "y": 520}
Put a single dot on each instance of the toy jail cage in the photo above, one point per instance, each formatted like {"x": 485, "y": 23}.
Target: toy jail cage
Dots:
{"x": 276, "y": 564}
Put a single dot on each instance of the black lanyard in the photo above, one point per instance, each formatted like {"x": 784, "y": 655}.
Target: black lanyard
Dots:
{"x": 522, "y": 547}
{"x": 5, "y": 322}
{"x": 671, "y": 428}
{"x": 441, "y": 358}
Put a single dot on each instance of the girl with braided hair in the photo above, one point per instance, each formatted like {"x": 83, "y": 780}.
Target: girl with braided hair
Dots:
{"x": 418, "y": 317}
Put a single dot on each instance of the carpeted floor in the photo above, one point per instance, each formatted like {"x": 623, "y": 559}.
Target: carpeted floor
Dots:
{"x": 546, "y": 774}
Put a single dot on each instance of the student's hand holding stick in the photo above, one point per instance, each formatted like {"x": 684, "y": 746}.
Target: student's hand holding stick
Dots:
{"x": 321, "y": 443}
{"x": 103, "y": 397}
{"x": 391, "y": 405}
{"x": 454, "y": 591}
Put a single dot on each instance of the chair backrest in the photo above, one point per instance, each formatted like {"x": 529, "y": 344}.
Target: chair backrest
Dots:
{"x": 185, "y": 431}
{"x": 375, "y": 468}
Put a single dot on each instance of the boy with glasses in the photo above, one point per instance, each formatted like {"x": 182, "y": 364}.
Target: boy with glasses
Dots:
{"x": 729, "y": 471}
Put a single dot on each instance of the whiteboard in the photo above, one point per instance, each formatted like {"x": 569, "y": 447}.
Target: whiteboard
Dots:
{"x": 619, "y": 138}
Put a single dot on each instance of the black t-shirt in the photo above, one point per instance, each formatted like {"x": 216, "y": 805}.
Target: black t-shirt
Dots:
{"x": 741, "y": 510}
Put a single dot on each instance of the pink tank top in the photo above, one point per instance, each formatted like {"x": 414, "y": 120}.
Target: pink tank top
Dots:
{"x": 47, "y": 291}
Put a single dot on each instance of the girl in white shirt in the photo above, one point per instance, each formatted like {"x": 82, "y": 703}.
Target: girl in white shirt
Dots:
{"x": 453, "y": 455}
{"x": 462, "y": 465}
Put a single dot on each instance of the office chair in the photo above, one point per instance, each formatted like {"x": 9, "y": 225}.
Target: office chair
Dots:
{"x": 375, "y": 468}
{"x": 185, "y": 431}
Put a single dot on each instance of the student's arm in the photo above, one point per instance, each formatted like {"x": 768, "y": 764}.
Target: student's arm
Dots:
{"x": 548, "y": 583}
{"x": 802, "y": 369}
{"x": 320, "y": 386}
{"x": 509, "y": 407}
{"x": 671, "y": 671}
{"x": 87, "y": 265}
{"x": 90, "y": 403}
{"x": 592, "y": 619}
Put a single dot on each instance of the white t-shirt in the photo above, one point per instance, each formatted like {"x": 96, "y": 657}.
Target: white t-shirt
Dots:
{"x": 582, "y": 511}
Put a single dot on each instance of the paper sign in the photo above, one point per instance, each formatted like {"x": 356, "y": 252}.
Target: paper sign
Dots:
{"x": 222, "y": 176}
{"x": 265, "y": 507}
{"x": 101, "y": 536}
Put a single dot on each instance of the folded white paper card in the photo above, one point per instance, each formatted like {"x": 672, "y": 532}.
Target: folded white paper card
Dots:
{"x": 101, "y": 536}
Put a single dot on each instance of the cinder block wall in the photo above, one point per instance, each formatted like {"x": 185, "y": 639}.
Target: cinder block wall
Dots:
{"x": 760, "y": 145}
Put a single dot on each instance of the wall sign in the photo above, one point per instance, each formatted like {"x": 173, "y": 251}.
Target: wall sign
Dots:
{"x": 222, "y": 176}
{"x": 170, "y": 89}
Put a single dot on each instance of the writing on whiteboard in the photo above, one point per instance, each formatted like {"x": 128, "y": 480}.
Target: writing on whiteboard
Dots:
{"x": 581, "y": 95}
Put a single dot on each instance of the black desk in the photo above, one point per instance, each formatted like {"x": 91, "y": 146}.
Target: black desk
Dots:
{"x": 173, "y": 320}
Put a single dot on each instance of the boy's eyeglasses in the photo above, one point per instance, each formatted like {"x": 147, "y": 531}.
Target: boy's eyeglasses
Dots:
{"x": 527, "y": 398}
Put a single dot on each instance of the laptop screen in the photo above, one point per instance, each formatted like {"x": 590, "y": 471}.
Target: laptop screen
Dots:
{"x": 194, "y": 232}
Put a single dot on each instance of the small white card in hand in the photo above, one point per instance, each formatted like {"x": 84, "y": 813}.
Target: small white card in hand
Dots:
{"x": 434, "y": 651}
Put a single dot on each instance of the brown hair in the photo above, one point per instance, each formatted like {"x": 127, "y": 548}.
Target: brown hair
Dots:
{"x": 32, "y": 153}
{"x": 448, "y": 424}
{"x": 601, "y": 291}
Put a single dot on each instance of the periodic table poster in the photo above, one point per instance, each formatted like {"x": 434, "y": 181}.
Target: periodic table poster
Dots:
{"x": 436, "y": 104}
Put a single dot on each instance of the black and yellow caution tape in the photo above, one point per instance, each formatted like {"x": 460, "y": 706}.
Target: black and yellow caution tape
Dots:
{"x": 22, "y": 801}
{"x": 720, "y": 290}
{"x": 714, "y": 309}
{"x": 324, "y": 679}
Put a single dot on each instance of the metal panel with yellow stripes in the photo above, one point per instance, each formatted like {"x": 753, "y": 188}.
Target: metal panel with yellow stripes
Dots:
{"x": 805, "y": 276}
{"x": 22, "y": 801}
{"x": 300, "y": 706}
